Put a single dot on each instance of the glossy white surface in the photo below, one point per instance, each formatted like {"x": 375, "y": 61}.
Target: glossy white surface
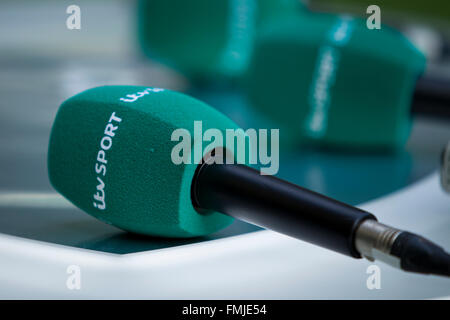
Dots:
{"x": 259, "y": 265}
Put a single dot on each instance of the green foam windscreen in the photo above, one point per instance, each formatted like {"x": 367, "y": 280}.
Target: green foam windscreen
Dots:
{"x": 329, "y": 80}
{"x": 110, "y": 155}
{"x": 203, "y": 38}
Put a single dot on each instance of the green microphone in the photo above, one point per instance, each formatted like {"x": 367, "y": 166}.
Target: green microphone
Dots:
{"x": 111, "y": 154}
{"x": 328, "y": 79}
{"x": 204, "y": 38}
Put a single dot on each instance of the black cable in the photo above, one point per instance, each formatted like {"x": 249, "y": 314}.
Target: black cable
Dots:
{"x": 241, "y": 192}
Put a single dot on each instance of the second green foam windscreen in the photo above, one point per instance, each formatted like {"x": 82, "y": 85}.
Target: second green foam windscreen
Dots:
{"x": 203, "y": 38}
{"x": 110, "y": 155}
{"x": 330, "y": 80}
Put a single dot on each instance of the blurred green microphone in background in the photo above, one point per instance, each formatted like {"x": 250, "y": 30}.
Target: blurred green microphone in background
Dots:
{"x": 330, "y": 80}
{"x": 322, "y": 78}
{"x": 204, "y": 38}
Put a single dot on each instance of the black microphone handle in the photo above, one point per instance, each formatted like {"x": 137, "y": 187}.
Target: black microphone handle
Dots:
{"x": 241, "y": 192}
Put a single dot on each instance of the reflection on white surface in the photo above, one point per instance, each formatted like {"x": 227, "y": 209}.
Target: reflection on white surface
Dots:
{"x": 259, "y": 265}
{"x": 49, "y": 200}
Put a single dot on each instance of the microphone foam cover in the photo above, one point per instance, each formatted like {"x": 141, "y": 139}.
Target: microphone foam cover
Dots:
{"x": 204, "y": 38}
{"x": 110, "y": 155}
{"x": 329, "y": 80}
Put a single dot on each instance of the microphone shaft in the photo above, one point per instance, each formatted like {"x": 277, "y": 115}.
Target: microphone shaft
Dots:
{"x": 241, "y": 192}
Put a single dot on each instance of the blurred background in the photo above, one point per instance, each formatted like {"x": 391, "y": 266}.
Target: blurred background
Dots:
{"x": 43, "y": 62}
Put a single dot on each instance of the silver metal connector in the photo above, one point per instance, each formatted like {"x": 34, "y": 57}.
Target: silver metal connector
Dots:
{"x": 374, "y": 241}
